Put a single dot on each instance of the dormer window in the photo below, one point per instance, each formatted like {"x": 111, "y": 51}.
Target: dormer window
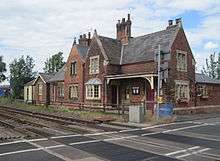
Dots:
{"x": 181, "y": 57}
{"x": 94, "y": 65}
{"x": 73, "y": 68}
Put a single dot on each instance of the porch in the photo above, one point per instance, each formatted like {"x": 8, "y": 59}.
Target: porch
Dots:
{"x": 131, "y": 89}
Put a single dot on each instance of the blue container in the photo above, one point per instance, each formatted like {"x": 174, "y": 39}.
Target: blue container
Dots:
{"x": 166, "y": 110}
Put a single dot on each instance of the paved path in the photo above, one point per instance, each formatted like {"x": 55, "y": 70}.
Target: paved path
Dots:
{"x": 189, "y": 140}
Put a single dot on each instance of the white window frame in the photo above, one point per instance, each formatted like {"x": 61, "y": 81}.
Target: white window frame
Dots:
{"x": 90, "y": 92}
{"x": 202, "y": 90}
{"x": 179, "y": 86}
{"x": 181, "y": 63}
{"x": 75, "y": 90}
{"x": 61, "y": 89}
{"x": 93, "y": 71}
{"x": 73, "y": 64}
{"x": 40, "y": 89}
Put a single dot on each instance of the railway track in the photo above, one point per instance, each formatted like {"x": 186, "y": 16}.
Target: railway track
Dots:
{"x": 35, "y": 124}
{"x": 49, "y": 117}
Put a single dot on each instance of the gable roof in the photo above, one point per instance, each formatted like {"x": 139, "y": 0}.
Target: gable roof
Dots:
{"x": 44, "y": 76}
{"x": 82, "y": 50}
{"x": 58, "y": 76}
{"x": 30, "y": 83}
{"x": 112, "y": 49}
{"x": 202, "y": 78}
{"x": 143, "y": 48}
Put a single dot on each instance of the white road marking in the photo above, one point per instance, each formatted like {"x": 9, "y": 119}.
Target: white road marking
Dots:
{"x": 183, "y": 128}
{"x": 21, "y": 151}
{"x": 128, "y": 130}
{"x": 152, "y": 133}
{"x": 85, "y": 142}
{"x": 65, "y": 136}
{"x": 101, "y": 133}
{"x": 181, "y": 151}
{"x": 41, "y": 139}
{"x": 195, "y": 152}
{"x": 22, "y": 141}
{"x": 120, "y": 138}
{"x": 55, "y": 146}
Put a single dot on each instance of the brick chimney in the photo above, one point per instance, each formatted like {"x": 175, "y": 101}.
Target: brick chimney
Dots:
{"x": 83, "y": 40}
{"x": 124, "y": 30}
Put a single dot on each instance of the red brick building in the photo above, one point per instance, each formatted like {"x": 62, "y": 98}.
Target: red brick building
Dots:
{"x": 108, "y": 71}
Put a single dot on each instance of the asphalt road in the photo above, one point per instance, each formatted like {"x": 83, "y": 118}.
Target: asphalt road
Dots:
{"x": 189, "y": 140}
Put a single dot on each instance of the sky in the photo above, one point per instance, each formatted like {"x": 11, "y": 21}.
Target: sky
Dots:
{"x": 41, "y": 28}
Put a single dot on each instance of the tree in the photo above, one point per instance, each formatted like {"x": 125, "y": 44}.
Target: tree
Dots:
{"x": 54, "y": 63}
{"x": 218, "y": 67}
{"x": 21, "y": 72}
{"x": 2, "y": 70}
{"x": 211, "y": 67}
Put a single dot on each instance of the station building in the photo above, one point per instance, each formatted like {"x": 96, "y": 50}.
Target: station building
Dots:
{"x": 123, "y": 70}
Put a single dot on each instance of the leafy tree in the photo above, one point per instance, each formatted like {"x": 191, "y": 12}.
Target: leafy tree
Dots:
{"x": 211, "y": 67}
{"x": 218, "y": 67}
{"x": 21, "y": 72}
{"x": 2, "y": 70}
{"x": 54, "y": 63}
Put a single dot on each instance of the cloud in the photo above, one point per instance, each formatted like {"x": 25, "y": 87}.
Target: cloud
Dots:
{"x": 41, "y": 28}
{"x": 210, "y": 45}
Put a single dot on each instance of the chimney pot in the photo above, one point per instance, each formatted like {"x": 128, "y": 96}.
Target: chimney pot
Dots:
{"x": 170, "y": 22}
{"x": 80, "y": 36}
{"x": 179, "y": 22}
{"x": 123, "y": 20}
{"x": 74, "y": 42}
{"x": 84, "y": 36}
{"x": 89, "y": 35}
{"x": 129, "y": 17}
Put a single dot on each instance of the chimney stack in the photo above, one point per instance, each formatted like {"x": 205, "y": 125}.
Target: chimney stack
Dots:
{"x": 179, "y": 22}
{"x": 170, "y": 22}
{"x": 124, "y": 30}
{"x": 83, "y": 40}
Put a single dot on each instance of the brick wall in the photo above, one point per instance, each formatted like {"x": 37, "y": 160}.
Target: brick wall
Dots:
{"x": 181, "y": 43}
{"x": 74, "y": 79}
{"x": 94, "y": 51}
{"x": 141, "y": 67}
{"x": 41, "y": 98}
{"x": 213, "y": 95}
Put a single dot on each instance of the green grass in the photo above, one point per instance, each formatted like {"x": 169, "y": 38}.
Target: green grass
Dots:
{"x": 60, "y": 110}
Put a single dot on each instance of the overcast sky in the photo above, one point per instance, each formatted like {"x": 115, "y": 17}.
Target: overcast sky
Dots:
{"x": 41, "y": 28}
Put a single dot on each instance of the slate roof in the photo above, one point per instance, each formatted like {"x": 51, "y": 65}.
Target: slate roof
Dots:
{"x": 144, "y": 48}
{"x": 46, "y": 77}
{"x": 58, "y": 76}
{"x": 202, "y": 78}
{"x": 30, "y": 83}
{"x": 112, "y": 49}
{"x": 82, "y": 50}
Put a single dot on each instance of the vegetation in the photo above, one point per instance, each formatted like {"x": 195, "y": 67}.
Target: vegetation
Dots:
{"x": 212, "y": 67}
{"x": 54, "y": 63}
{"x": 2, "y": 70}
{"x": 21, "y": 72}
{"x": 60, "y": 111}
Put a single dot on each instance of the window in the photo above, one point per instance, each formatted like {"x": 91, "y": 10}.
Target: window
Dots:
{"x": 181, "y": 61}
{"x": 182, "y": 90}
{"x": 94, "y": 65}
{"x": 202, "y": 90}
{"x": 73, "y": 91}
{"x": 73, "y": 68}
{"x": 61, "y": 89}
{"x": 93, "y": 91}
{"x": 40, "y": 88}
{"x": 127, "y": 93}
